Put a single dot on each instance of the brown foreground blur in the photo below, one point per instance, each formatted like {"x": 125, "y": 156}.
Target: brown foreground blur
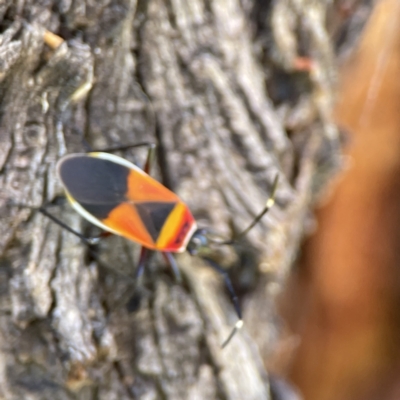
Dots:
{"x": 347, "y": 289}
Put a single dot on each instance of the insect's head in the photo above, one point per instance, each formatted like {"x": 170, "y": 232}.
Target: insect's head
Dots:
{"x": 198, "y": 241}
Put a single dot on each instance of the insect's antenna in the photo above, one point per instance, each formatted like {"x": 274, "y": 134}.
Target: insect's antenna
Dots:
{"x": 270, "y": 202}
{"x": 234, "y": 298}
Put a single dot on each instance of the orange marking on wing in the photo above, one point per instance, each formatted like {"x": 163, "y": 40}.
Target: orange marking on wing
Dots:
{"x": 125, "y": 220}
{"x": 145, "y": 188}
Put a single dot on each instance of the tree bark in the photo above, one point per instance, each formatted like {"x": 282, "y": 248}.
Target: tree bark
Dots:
{"x": 224, "y": 89}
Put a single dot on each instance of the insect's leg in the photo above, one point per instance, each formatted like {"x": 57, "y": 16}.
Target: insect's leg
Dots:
{"x": 141, "y": 264}
{"x": 134, "y": 302}
{"x": 124, "y": 147}
{"x": 171, "y": 261}
{"x": 89, "y": 240}
{"x": 150, "y": 159}
{"x": 150, "y": 155}
{"x": 234, "y": 298}
{"x": 64, "y": 225}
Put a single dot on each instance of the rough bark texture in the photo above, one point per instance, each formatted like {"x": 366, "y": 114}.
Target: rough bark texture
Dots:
{"x": 221, "y": 87}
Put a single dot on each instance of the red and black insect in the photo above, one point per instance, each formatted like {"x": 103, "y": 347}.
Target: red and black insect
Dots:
{"x": 123, "y": 199}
